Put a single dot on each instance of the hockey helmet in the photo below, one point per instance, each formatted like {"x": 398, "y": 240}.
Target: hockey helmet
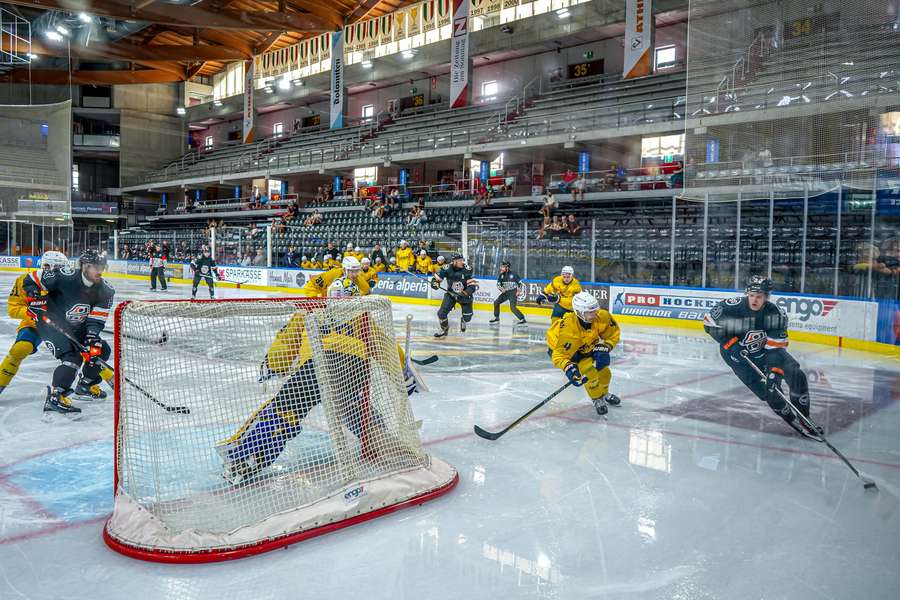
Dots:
{"x": 423, "y": 253}
{"x": 567, "y": 270}
{"x": 365, "y": 261}
{"x": 506, "y": 264}
{"x": 351, "y": 266}
{"x": 585, "y": 306}
{"x": 760, "y": 285}
{"x": 52, "y": 260}
{"x": 343, "y": 287}
{"x": 457, "y": 256}
{"x": 441, "y": 258}
{"x": 92, "y": 257}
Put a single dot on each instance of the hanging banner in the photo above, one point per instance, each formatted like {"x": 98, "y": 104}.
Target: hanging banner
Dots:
{"x": 443, "y": 12}
{"x": 429, "y": 16}
{"x": 414, "y": 20}
{"x": 326, "y": 46}
{"x": 248, "y": 102}
{"x": 386, "y": 27}
{"x": 400, "y": 25}
{"x": 314, "y": 50}
{"x": 304, "y": 53}
{"x": 349, "y": 38}
{"x": 359, "y": 29}
{"x": 510, "y": 4}
{"x": 371, "y": 34}
{"x": 493, "y": 7}
{"x": 638, "y": 38}
{"x": 460, "y": 65}
{"x": 478, "y": 8}
{"x": 338, "y": 91}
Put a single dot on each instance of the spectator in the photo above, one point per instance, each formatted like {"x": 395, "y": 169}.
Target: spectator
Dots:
{"x": 677, "y": 178}
{"x": 544, "y": 229}
{"x": 126, "y": 252}
{"x": 378, "y": 209}
{"x": 423, "y": 245}
{"x": 550, "y": 205}
{"x": 259, "y": 258}
{"x": 290, "y": 257}
{"x": 577, "y": 187}
{"x": 572, "y": 226}
{"x": 377, "y": 254}
{"x": 320, "y": 194}
{"x": 557, "y": 226}
{"x": 252, "y": 232}
{"x": 420, "y": 219}
{"x": 330, "y": 250}
{"x": 568, "y": 179}
{"x": 404, "y": 256}
{"x": 247, "y": 260}
{"x": 314, "y": 219}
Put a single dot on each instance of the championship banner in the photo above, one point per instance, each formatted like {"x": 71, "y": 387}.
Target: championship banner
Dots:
{"x": 443, "y": 12}
{"x": 493, "y": 7}
{"x": 371, "y": 33}
{"x": 460, "y": 65}
{"x": 325, "y": 45}
{"x": 248, "y": 102}
{"x": 349, "y": 38}
{"x": 338, "y": 91}
{"x": 429, "y": 15}
{"x": 314, "y": 50}
{"x": 510, "y": 4}
{"x": 386, "y": 27}
{"x": 400, "y": 24}
{"x": 360, "y": 33}
{"x": 304, "y": 53}
{"x": 478, "y": 8}
{"x": 414, "y": 20}
{"x": 639, "y": 31}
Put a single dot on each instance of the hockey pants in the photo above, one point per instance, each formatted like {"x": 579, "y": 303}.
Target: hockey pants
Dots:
{"x": 210, "y": 283}
{"x": 71, "y": 359}
{"x": 793, "y": 376}
{"x": 449, "y": 303}
{"x": 509, "y": 295}
{"x": 160, "y": 274}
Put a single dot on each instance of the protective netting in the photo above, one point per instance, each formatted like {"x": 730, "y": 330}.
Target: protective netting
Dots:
{"x": 790, "y": 94}
{"x": 299, "y": 418}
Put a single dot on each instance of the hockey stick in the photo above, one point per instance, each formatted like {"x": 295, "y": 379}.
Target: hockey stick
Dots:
{"x": 426, "y": 361}
{"x": 184, "y": 410}
{"x": 493, "y": 436}
{"x": 868, "y": 482}
{"x": 456, "y": 296}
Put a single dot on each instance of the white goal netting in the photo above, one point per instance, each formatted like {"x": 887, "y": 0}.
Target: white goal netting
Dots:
{"x": 246, "y": 424}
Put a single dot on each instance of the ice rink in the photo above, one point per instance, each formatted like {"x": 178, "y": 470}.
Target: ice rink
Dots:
{"x": 692, "y": 489}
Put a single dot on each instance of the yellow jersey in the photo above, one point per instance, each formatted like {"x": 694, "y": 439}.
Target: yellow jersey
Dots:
{"x": 423, "y": 264}
{"x": 392, "y": 269}
{"x": 306, "y": 265}
{"x": 17, "y": 303}
{"x": 317, "y": 287}
{"x": 435, "y": 267}
{"x": 379, "y": 267}
{"x": 565, "y": 292}
{"x": 330, "y": 264}
{"x": 371, "y": 275}
{"x": 567, "y": 336}
{"x": 405, "y": 259}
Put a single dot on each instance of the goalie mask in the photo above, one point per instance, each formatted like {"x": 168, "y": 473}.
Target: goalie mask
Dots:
{"x": 343, "y": 288}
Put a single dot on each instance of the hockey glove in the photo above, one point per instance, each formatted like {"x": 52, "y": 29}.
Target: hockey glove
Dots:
{"x": 601, "y": 356}
{"x": 574, "y": 375}
{"x": 435, "y": 284}
{"x": 773, "y": 380}
{"x": 553, "y": 298}
{"x": 733, "y": 350}
{"x": 94, "y": 346}
{"x": 37, "y": 307}
{"x": 541, "y": 299}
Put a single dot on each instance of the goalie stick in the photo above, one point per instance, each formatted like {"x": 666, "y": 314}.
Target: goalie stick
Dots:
{"x": 868, "y": 482}
{"x": 184, "y": 410}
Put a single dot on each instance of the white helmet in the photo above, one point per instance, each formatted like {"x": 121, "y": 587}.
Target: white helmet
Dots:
{"x": 357, "y": 249}
{"x": 422, "y": 253}
{"x": 304, "y": 258}
{"x": 343, "y": 288}
{"x": 351, "y": 264}
{"x": 441, "y": 258}
{"x": 53, "y": 260}
{"x": 403, "y": 243}
{"x": 585, "y": 306}
{"x": 567, "y": 270}
{"x": 326, "y": 257}
{"x": 366, "y": 261}
{"x": 349, "y": 246}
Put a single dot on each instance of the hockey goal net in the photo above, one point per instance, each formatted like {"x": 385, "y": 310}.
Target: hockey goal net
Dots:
{"x": 245, "y": 425}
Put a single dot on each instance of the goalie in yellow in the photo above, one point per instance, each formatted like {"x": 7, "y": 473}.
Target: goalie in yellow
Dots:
{"x": 27, "y": 337}
{"x": 579, "y": 344}
{"x": 262, "y": 438}
{"x": 349, "y": 269}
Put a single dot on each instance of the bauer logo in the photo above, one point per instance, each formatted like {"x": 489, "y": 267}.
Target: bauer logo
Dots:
{"x": 805, "y": 308}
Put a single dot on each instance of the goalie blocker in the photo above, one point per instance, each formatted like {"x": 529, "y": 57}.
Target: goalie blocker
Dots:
{"x": 330, "y": 441}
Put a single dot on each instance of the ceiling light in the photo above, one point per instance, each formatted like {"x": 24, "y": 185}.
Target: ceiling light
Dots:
{"x": 366, "y": 64}
{"x": 217, "y": 103}
{"x": 284, "y": 84}
{"x": 33, "y": 56}
{"x": 180, "y": 110}
{"x": 62, "y": 29}
{"x": 269, "y": 89}
{"x": 84, "y": 17}
{"x": 53, "y": 36}
{"x": 408, "y": 54}
{"x": 562, "y": 13}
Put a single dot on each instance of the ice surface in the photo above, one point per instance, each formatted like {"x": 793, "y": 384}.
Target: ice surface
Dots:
{"x": 691, "y": 489}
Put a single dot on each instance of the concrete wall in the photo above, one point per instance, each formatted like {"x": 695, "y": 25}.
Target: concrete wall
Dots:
{"x": 148, "y": 141}
{"x": 156, "y": 98}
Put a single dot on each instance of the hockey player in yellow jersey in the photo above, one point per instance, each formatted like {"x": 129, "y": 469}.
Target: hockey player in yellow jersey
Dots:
{"x": 405, "y": 257}
{"x": 264, "y": 435}
{"x": 579, "y": 344}
{"x": 305, "y": 263}
{"x": 439, "y": 264}
{"x": 423, "y": 263}
{"x": 328, "y": 263}
{"x": 369, "y": 273}
{"x": 317, "y": 287}
{"x": 27, "y": 337}
{"x": 560, "y": 291}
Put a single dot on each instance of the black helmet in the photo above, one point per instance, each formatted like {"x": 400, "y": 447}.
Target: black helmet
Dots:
{"x": 506, "y": 264}
{"x": 92, "y": 257}
{"x": 457, "y": 256}
{"x": 760, "y": 285}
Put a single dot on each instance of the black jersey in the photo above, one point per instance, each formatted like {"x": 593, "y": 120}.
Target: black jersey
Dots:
{"x": 458, "y": 280}
{"x": 756, "y": 330}
{"x": 71, "y": 300}
{"x": 204, "y": 266}
{"x": 507, "y": 281}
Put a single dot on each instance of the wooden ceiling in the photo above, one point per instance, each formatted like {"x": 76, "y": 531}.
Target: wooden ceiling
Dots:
{"x": 181, "y": 41}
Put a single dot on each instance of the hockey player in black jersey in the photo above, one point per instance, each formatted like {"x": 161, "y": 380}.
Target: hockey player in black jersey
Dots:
{"x": 754, "y": 327}
{"x": 508, "y": 284}
{"x": 204, "y": 267}
{"x": 78, "y": 301}
{"x": 460, "y": 288}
